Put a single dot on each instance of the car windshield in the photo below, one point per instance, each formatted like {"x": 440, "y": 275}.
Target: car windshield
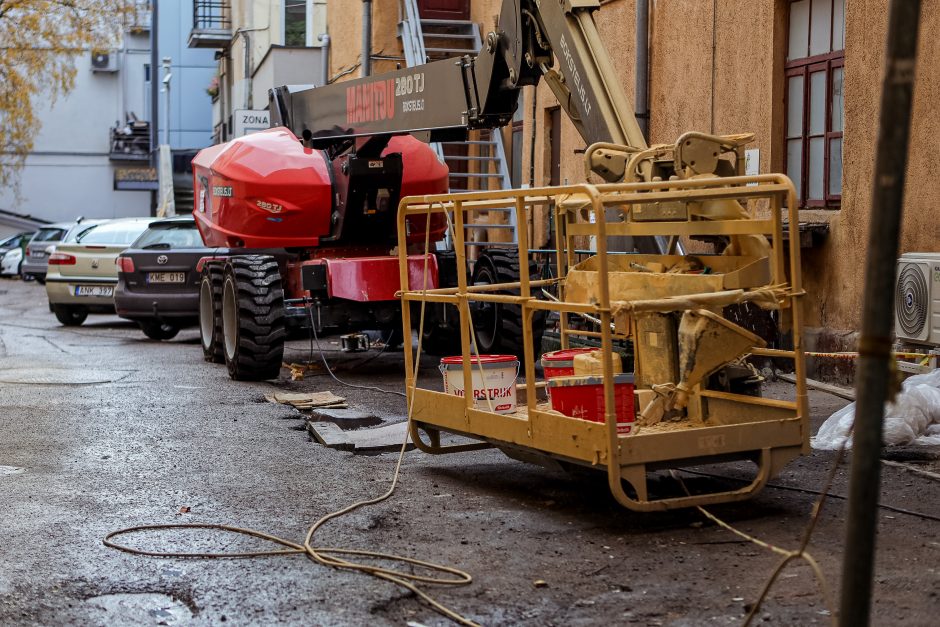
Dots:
{"x": 112, "y": 233}
{"x": 10, "y": 242}
{"x": 49, "y": 235}
{"x": 177, "y": 235}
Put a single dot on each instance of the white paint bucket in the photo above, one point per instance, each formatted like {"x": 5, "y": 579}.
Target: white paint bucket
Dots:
{"x": 492, "y": 376}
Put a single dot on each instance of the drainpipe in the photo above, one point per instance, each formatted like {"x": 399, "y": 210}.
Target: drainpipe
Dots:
{"x": 248, "y": 85}
{"x": 154, "y": 97}
{"x": 366, "y": 68}
{"x": 641, "y": 92}
{"x": 324, "y": 59}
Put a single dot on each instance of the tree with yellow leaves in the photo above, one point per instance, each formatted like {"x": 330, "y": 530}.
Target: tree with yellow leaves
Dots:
{"x": 39, "y": 41}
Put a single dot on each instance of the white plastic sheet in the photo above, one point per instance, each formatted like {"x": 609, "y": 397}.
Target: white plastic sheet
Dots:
{"x": 913, "y": 417}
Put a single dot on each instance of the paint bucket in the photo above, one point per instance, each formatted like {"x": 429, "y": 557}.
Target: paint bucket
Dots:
{"x": 583, "y": 398}
{"x": 561, "y": 363}
{"x": 492, "y": 376}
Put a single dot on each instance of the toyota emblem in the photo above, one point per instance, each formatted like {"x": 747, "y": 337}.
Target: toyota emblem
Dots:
{"x": 162, "y": 259}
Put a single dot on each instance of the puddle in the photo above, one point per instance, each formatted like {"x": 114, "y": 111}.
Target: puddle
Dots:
{"x": 60, "y": 376}
{"x": 11, "y": 470}
{"x": 144, "y": 608}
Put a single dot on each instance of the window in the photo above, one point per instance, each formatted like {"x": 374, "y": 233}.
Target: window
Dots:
{"x": 295, "y": 22}
{"x": 49, "y": 235}
{"x": 814, "y": 100}
{"x": 170, "y": 235}
{"x": 112, "y": 233}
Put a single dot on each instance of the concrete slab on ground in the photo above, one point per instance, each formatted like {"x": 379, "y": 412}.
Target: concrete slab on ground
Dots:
{"x": 379, "y": 440}
{"x": 345, "y": 418}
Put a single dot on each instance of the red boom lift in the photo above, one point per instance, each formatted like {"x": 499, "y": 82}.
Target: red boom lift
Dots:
{"x": 305, "y": 212}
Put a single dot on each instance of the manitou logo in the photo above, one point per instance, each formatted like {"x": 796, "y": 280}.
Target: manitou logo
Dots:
{"x": 370, "y": 102}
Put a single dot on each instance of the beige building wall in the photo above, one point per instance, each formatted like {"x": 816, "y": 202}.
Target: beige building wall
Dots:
{"x": 344, "y": 20}
{"x": 723, "y": 72}
{"x": 718, "y": 67}
{"x": 836, "y": 279}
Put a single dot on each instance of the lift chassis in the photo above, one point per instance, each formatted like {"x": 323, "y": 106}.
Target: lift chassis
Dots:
{"x": 685, "y": 419}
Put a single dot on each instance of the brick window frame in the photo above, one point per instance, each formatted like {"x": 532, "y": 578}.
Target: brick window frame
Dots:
{"x": 829, "y": 64}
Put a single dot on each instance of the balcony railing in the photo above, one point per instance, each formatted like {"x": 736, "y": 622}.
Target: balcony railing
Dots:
{"x": 212, "y": 24}
{"x": 139, "y": 17}
{"x": 130, "y": 142}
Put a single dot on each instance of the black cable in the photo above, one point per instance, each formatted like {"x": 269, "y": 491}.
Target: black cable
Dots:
{"x": 891, "y": 508}
{"x": 313, "y": 335}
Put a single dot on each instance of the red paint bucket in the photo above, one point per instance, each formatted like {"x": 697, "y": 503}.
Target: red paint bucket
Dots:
{"x": 561, "y": 363}
{"x": 583, "y": 398}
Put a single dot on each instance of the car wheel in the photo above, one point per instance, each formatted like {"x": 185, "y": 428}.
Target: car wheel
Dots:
{"x": 253, "y": 329}
{"x": 70, "y": 315}
{"x": 210, "y": 313}
{"x": 157, "y": 330}
{"x": 41, "y": 279}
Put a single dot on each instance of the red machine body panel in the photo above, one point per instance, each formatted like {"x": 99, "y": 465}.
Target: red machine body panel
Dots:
{"x": 263, "y": 190}
{"x": 266, "y": 190}
{"x": 370, "y": 279}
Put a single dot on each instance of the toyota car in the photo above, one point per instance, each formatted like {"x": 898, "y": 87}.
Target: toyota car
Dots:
{"x": 158, "y": 286}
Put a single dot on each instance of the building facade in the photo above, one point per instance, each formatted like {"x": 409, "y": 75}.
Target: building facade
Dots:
{"x": 803, "y": 75}
{"x": 92, "y": 151}
{"x": 260, "y": 44}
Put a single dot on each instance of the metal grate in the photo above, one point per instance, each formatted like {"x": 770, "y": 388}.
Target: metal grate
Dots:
{"x": 911, "y": 299}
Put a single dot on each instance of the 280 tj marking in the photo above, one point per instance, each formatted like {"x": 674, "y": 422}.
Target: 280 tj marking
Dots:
{"x": 411, "y": 84}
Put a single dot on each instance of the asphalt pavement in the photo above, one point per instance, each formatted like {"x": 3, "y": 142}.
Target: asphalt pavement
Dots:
{"x": 102, "y": 429}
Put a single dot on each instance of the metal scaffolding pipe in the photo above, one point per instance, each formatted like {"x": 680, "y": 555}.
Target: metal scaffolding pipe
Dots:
{"x": 642, "y": 63}
{"x": 874, "y": 372}
{"x": 366, "y": 67}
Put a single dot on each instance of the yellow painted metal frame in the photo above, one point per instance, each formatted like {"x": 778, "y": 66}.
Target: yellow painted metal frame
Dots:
{"x": 768, "y": 432}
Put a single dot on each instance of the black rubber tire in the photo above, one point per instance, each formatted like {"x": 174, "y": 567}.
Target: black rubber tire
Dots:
{"x": 498, "y": 327}
{"x": 441, "y": 329}
{"x": 253, "y": 329}
{"x": 41, "y": 279}
{"x": 70, "y": 315}
{"x": 157, "y": 330}
{"x": 210, "y": 313}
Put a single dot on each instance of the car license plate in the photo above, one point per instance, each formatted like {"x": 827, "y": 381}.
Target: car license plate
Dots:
{"x": 166, "y": 277}
{"x": 94, "y": 290}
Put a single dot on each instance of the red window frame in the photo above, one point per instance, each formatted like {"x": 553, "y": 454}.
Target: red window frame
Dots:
{"x": 804, "y": 67}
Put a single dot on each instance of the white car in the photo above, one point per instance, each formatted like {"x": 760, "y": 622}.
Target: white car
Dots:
{"x": 10, "y": 262}
{"x": 81, "y": 274}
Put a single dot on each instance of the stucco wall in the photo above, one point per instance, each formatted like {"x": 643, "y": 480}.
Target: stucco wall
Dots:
{"x": 344, "y": 21}
{"x": 837, "y": 283}
{"x": 722, "y": 72}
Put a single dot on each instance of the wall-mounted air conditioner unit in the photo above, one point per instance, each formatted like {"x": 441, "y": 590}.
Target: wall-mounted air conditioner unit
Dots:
{"x": 104, "y": 61}
{"x": 917, "y": 299}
